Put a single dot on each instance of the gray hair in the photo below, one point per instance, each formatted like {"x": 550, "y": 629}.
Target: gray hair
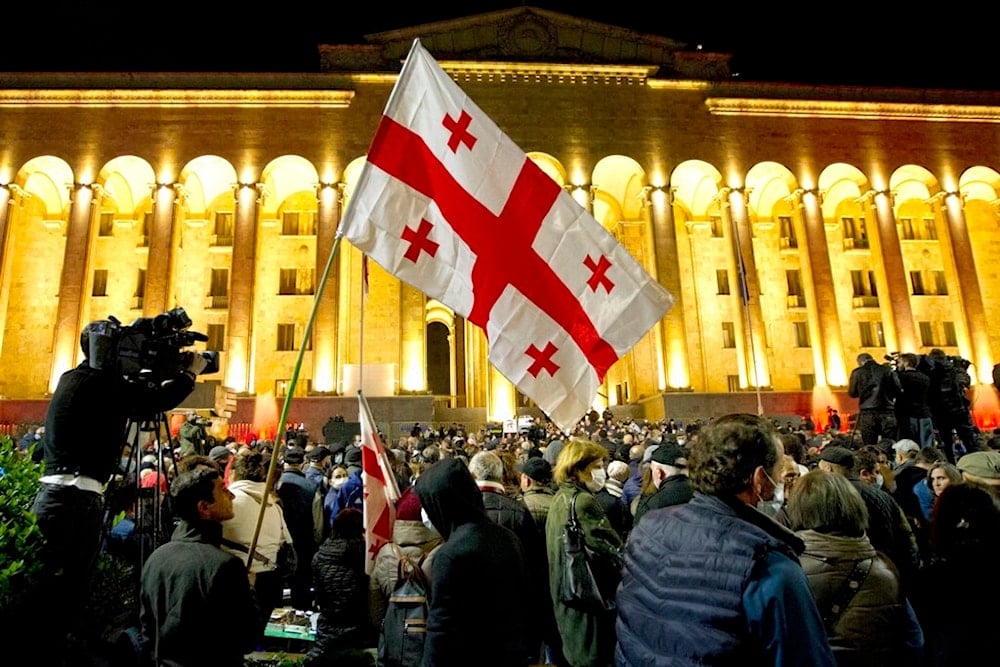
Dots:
{"x": 486, "y": 467}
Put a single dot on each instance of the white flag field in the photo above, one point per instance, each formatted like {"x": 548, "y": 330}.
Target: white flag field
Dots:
{"x": 449, "y": 204}
{"x": 380, "y": 489}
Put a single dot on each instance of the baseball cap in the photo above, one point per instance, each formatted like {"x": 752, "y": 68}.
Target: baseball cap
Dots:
{"x": 671, "y": 454}
{"x": 319, "y": 453}
{"x": 537, "y": 469}
{"x": 295, "y": 455}
{"x": 985, "y": 464}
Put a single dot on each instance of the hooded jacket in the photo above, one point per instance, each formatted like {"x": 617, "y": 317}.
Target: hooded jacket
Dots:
{"x": 474, "y": 615}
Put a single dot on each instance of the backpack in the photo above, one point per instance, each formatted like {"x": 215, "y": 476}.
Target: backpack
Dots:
{"x": 401, "y": 637}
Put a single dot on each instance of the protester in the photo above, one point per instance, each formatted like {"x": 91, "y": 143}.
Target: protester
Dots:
{"x": 343, "y": 629}
{"x": 714, "y": 581}
{"x": 475, "y": 613}
{"x": 957, "y": 588}
{"x": 488, "y": 470}
{"x": 414, "y": 539}
{"x": 983, "y": 468}
{"x": 297, "y": 494}
{"x": 249, "y": 489}
{"x": 588, "y": 636}
{"x": 888, "y": 528}
{"x": 612, "y": 501}
{"x": 190, "y": 585}
{"x": 867, "y": 616}
{"x": 668, "y": 469}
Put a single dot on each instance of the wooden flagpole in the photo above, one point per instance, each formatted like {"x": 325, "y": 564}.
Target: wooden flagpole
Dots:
{"x": 291, "y": 391}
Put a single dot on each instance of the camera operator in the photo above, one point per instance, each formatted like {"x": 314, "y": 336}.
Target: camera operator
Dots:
{"x": 909, "y": 387}
{"x": 875, "y": 416}
{"x": 950, "y": 405}
{"x": 85, "y": 430}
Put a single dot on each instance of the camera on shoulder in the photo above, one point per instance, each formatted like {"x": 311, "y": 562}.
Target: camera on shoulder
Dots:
{"x": 150, "y": 349}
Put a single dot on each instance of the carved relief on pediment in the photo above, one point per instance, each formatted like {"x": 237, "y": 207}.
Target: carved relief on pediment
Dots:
{"x": 528, "y": 35}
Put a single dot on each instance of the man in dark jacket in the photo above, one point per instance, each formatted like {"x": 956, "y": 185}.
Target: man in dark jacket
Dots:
{"x": 487, "y": 469}
{"x": 475, "y": 616}
{"x": 297, "y": 494}
{"x": 714, "y": 581}
{"x": 668, "y": 467}
{"x": 875, "y": 416}
{"x": 85, "y": 427}
{"x": 190, "y": 585}
{"x": 909, "y": 387}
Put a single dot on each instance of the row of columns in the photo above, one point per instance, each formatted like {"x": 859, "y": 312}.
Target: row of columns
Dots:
{"x": 824, "y": 320}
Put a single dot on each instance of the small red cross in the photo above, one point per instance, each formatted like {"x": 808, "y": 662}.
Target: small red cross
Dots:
{"x": 419, "y": 240}
{"x": 600, "y": 269}
{"x": 459, "y": 131}
{"x": 543, "y": 359}
{"x": 404, "y": 155}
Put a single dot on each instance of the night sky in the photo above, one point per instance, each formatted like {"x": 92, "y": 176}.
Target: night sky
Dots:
{"x": 887, "y": 44}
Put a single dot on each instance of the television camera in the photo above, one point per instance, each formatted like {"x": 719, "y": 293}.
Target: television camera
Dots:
{"x": 150, "y": 349}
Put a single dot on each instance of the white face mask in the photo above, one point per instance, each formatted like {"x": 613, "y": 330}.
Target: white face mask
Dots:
{"x": 879, "y": 480}
{"x": 338, "y": 482}
{"x": 597, "y": 479}
{"x": 779, "y": 494}
{"x": 426, "y": 520}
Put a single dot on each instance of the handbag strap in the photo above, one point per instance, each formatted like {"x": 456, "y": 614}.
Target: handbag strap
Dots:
{"x": 572, "y": 508}
{"x": 245, "y": 549}
{"x": 847, "y": 591}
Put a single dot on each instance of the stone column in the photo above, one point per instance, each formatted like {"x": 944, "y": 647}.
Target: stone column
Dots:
{"x": 239, "y": 326}
{"x": 894, "y": 291}
{"x": 72, "y": 281}
{"x": 8, "y": 195}
{"x": 160, "y": 259}
{"x": 824, "y": 319}
{"x": 674, "y": 352}
{"x": 973, "y": 339}
{"x": 326, "y": 366}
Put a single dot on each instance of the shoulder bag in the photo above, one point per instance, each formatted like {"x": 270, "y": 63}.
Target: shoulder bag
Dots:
{"x": 578, "y": 587}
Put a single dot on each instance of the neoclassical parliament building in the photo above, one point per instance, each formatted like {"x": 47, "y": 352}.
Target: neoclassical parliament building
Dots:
{"x": 796, "y": 225}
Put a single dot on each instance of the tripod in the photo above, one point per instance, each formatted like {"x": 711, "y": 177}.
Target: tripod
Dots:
{"x": 138, "y": 517}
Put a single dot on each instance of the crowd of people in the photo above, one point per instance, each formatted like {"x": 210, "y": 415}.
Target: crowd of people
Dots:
{"x": 731, "y": 540}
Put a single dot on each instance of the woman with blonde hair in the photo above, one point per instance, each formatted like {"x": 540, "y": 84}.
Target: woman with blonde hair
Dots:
{"x": 588, "y": 635}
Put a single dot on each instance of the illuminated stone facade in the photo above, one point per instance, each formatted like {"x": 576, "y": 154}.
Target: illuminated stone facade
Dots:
{"x": 863, "y": 220}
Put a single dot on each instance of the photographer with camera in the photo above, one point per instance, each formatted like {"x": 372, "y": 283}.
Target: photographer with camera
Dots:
{"x": 909, "y": 386}
{"x": 950, "y": 405}
{"x": 875, "y": 409}
{"x": 85, "y": 433}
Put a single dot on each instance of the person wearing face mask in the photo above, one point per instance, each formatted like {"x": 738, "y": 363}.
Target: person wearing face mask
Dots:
{"x": 416, "y": 537}
{"x": 714, "y": 581}
{"x": 588, "y": 637}
{"x": 668, "y": 467}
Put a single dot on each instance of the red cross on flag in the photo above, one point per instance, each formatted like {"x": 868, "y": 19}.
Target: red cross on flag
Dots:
{"x": 449, "y": 204}
{"x": 380, "y": 489}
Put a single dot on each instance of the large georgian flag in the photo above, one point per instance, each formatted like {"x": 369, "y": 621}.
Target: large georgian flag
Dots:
{"x": 449, "y": 204}
{"x": 380, "y": 489}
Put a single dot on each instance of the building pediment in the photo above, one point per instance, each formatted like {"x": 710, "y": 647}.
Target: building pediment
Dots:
{"x": 527, "y": 35}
